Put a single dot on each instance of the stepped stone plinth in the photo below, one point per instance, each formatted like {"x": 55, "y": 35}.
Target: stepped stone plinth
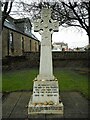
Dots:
{"x": 45, "y": 98}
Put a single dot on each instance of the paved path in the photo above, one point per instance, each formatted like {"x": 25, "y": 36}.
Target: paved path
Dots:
{"x": 15, "y": 106}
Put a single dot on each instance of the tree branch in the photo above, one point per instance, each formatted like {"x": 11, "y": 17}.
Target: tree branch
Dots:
{"x": 10, "y": 8}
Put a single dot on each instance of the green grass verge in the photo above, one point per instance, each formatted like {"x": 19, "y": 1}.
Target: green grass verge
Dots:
{"x": 72, "y": 81}
{"x": 18, "y": 80}
{"x": 23, "y": 80}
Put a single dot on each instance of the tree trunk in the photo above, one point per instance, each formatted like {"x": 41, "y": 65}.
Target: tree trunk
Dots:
{"x": 89, "y": 23}
{"x": 4, "y": 16}
{"x": 89, "y": 36}
{"x": 5, "y": 13}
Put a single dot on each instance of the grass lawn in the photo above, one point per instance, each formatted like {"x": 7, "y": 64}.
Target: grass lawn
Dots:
{"x": 23, "y": 80}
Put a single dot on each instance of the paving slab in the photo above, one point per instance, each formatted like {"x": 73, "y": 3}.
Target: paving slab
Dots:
{"x": 10, "y": 103}
{"x": 15, "y": 106}
{"x": 20, "y": 110}
{"x": 75, "y": 105}
{"x": 0, "y": 95}
{"x": 0, "y": 108}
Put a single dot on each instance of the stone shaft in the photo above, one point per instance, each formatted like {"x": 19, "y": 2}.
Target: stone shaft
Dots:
{"x": 46, "y": 26}
{"x": 45, "y": 98}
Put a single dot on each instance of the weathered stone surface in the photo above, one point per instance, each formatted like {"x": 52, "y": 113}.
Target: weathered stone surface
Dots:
{"x": 46, "y": 109}
{"x": 75, "y": 106}
{"x": 20, "y": 109}
{"x": 47, "y": 26}
{"x": 0, "y": 105}
{"x": 10, "y": 103}
{"x": 45, "y": 91}
{"x": 45, "y": 98}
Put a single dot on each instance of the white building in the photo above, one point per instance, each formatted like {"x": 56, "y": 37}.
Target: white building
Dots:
{"x": 87, "y": 47}
{"x": 79, "y": 49}
{"x": 60, "y": 46}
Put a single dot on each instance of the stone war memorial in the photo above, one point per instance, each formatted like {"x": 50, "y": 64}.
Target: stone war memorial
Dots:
{"x": 45, "y": 98}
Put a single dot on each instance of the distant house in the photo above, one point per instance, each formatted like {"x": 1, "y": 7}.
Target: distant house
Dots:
{"x": 79, "y": 49}
{"x": 17, "y": 37}
{"x": 60, "y": 46}
{"x": 87, "y": 47}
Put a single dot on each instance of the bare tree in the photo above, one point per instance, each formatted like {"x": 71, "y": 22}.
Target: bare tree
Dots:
{"x": 7, "y": 6}
{"x": 77, "y": 14}
{"x": 67, "y": 13}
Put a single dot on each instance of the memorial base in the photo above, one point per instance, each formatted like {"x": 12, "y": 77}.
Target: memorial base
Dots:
{"x": 45, "y": 109}
{"x": 45, "y": 98}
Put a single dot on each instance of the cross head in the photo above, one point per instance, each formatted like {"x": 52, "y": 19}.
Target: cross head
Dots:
{"x": 46, "y": 23}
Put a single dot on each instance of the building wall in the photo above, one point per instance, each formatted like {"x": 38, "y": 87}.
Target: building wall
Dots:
{"x": 34, "y": 46}
{"x": 5, "y": 42}
{"x": 27, "y": 44}
{"x": 17, "y": 43}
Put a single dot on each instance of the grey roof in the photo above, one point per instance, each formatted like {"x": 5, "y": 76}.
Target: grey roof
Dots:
{"x": 59, "y": 43}
{"x": 11, "y": 25}
{"x": 23, "y": 20}
{"x": 30, "y": 34}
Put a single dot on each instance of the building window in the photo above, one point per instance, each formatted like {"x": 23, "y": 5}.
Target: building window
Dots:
{"x": 35, "y": 46}
{"x": 22, "y": 44}
{"x": 11, "y": 43}
{"x": 30, "y": 46}
{"x": 39, "y": 47}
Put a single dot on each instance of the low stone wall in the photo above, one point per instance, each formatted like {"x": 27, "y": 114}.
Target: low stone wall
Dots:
{"x": 64, "y": 59}
{"x": 61, "y": 55}
{"x": 68, "y": 55}
{"x": 60, "y": 59}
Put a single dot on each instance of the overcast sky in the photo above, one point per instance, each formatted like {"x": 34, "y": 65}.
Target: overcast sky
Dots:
{"x": 71, "y": 35}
